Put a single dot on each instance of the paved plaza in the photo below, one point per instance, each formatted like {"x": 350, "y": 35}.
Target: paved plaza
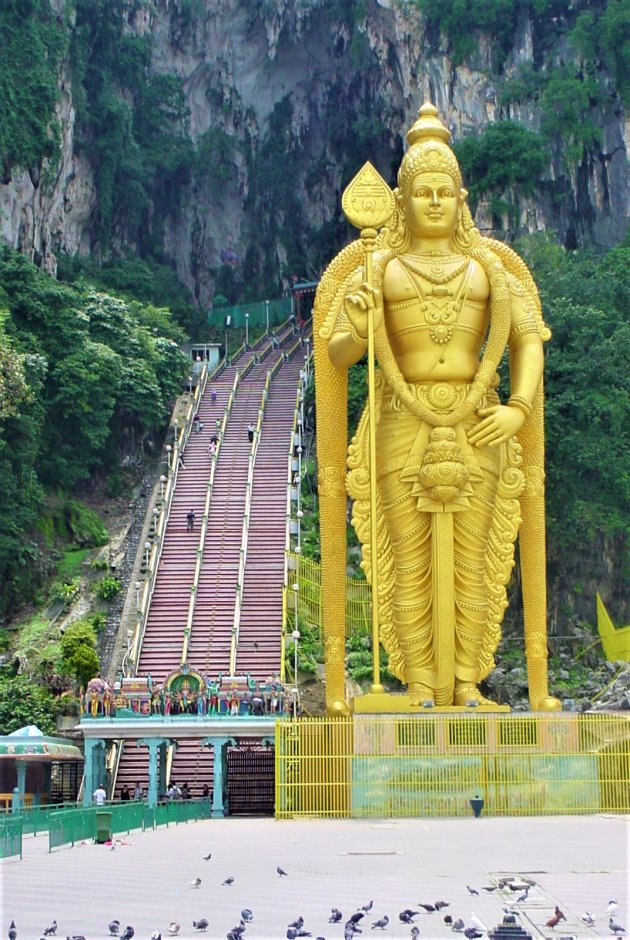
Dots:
{"x": 577, "y": 862}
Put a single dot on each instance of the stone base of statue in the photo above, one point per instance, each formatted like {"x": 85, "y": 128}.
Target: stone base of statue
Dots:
{"x": 385, "y": 703}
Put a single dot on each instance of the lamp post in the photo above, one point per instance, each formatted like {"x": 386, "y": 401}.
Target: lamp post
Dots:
{"x": 299, "y": 479}
{"x": 176, "y": 424}
{"x": 168, "y": 455}
{"x": 299, "y": 514}
{"x": 126, "y": 669}
{"x": 147, "y": 549}
{"x": 226, "y": 323}
{"x": 162, "y": 482}
{"x": 267, "y": 315}
{"x": 246, "y": 331}
{"x": 137, "y": 586}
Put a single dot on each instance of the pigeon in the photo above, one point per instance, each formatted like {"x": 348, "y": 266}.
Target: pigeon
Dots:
{"x": 588, "y": 919}
{"x": 459, "y": 925}
{"x": 112, "y": 847}
{"x": 355, "y": 918}
{"x": 128, "y": 933}
{"x": 12, "y": 931}
{"x": 297, "y": 923}
{"x": 247, "y": 915}
{"x": 613, "y": 907}
{"x": 439, "y": 905}
{"x": 156, "y": 935}
{"x": 292, "y": 933}
{"x": 207, "y": 857}
{"x": 350, "y": 929}
{"x": 615, "y": 928}
{"x": 555, "y": 919}
{"x": 76, "y": 936}
{"x": 281, "y": 871}
{"x": 114, "y": 927}
{"x": 429, "y": 908}
{"x": 471, "y": 890}
{"x": 407, "y": 916}
{"x": 335, "y": 916}
{"x": 52, "y": 930}
{"x": 367, "y": 907}
{"x": 476, "y": 923}
{"x": 173, "y": 929}
{"x": 471, "y": 933}
{"x": 381, "y": 923}
{"x": 448, "y": 920}
{"x": 195, "y": 883}
{"x": 415, "y": 932}
{"x": 523, "y": 897}
{"x": 489, "y": 888}
{"x": 229, "y": 881}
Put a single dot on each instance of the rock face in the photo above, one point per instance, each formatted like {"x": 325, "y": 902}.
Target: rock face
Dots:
{"x": 346, "y": 86}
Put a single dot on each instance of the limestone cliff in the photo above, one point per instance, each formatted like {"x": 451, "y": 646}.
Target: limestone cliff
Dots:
{"x": 289, "y": 97}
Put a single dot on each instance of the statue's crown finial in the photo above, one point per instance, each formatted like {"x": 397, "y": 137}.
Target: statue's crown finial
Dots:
{"x": 428, "y": 126}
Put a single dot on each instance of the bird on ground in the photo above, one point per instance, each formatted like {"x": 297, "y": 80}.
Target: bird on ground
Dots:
{"x": 247, "y": 915}
{"x": 440, "y": 905}
{"x": 112, "y": 847}
{"x": 367, "y": 907}
{"x": 128, "y": 933}
{"x": 588, "y": 919}
{"x": 235, "y": 933}
{"x": 297, "y": 923}
{"x": 477, "y": 923}
{"x": 448, "y": 920}
{"x": 207, "y": 857}
{"x": 12, "y": 931}
{"x": 52, "y": 930}
{"x": 555, "y": 919}
{"x": 381, "y": 923}
{"x": 523, "y": 896}
{"x": 471, "y": 890}
{"x": 200, "y": 924}
{"x": 229, "y": 881}
{"x": 459, "y": 925}
{"x": 415, "y": 932}
{"x": 173, "y": 929}
{"x": 471, "y": 933}
{"x": 156, "y": 935}
{"x": 613, "y": 907}
{"x": 76, "y": 936}
{"x": 292, "y": 933}
{"x": 429, "y": 908}
{"x": 195, "y": 883}
{"x": 489, "y": 888}
{"x": 355, "y": 918}
{"x": 615, "y": 928}
{"x": 114, "y": 927}
{"x": 350, "y": 929}
{"x": 407, "y": 916}
{"x": 335, "y": 916}
{"x": 281, "y": 871}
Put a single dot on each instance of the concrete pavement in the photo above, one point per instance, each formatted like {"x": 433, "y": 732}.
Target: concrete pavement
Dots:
{"x": 577, "y": 862}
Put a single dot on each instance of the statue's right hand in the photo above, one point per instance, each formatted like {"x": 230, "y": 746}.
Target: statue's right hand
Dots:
{"x": 357, "y": 306}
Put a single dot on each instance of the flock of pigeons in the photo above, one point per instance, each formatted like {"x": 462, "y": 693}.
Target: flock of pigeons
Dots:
{"x": 354, "y": 923}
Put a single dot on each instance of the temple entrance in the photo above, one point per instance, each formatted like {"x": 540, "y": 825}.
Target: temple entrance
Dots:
{"x": 251, "y": 779}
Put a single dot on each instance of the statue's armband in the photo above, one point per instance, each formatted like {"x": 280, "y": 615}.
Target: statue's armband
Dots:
{"x": 523, "y": 321}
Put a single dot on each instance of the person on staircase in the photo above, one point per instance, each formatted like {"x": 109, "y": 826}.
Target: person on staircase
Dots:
{"x": 190, "y": 520}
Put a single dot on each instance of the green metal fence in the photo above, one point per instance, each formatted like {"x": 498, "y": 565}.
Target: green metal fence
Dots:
{"x": 10, "y": 836}
{"x": 279, "y": 311}
{"x": 76, "y": 825}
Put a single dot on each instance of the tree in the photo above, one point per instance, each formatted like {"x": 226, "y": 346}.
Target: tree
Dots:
{"x": 24, "y": 703}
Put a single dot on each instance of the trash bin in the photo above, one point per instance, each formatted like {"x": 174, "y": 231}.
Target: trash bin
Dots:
{"x": 103, "y": 827}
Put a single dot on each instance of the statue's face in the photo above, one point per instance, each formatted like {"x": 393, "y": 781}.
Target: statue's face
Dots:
{"x": 431, "y": 205}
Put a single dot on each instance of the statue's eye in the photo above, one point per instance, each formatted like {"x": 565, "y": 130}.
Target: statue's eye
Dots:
{"x": 422, "y": 192}
{"x": 446, "y": 192}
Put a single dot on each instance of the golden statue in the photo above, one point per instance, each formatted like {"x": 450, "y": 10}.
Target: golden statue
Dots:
{"x": 457, "y": 471}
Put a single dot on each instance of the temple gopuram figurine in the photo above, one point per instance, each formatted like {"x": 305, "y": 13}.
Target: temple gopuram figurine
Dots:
{"x": 435, "y": 305}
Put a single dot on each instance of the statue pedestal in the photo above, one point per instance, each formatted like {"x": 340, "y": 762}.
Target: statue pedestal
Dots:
{"x": 386, "y": 703}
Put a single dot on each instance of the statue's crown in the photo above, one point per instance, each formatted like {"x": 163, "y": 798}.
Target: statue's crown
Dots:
{"x": 428, "y": 126}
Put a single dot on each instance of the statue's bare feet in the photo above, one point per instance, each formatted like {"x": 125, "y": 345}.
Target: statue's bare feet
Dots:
{"x": 469, "y": 695}
{"x": 420, "y": 694}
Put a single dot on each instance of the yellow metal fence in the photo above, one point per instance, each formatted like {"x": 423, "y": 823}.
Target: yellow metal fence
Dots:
{"x": 306, "y": 573}
{"x": 373, "y": 766}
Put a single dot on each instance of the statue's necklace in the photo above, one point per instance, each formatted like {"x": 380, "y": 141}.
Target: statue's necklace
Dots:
{"x": 433, "y": 268}
{"x": 441, "y": 309}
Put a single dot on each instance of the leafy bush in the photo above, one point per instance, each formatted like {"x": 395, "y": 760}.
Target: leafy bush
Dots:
{"x": 23, "y": 703}
{"x": 107, "y": 588}
{"x": 64, "y": 590}
{"x": 78, "y": 647}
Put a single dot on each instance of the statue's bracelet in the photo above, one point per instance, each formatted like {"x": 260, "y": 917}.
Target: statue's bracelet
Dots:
{"x": 517, "y": 401}
{"x": 360, "y": 340}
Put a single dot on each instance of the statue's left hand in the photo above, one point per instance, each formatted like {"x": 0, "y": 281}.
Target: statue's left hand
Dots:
{"x": 499, "y": 424}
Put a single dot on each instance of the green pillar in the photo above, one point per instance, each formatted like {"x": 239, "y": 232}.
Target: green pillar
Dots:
{"x": 94, "y": 748}
{"x": 156, "y": 766}
{"x": 18, "y": 792}
{"x": 162, "y": 772}
{"x": 219, "y": 774}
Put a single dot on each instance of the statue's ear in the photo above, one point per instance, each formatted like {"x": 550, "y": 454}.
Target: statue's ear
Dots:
{"x": 463, "y": 195}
